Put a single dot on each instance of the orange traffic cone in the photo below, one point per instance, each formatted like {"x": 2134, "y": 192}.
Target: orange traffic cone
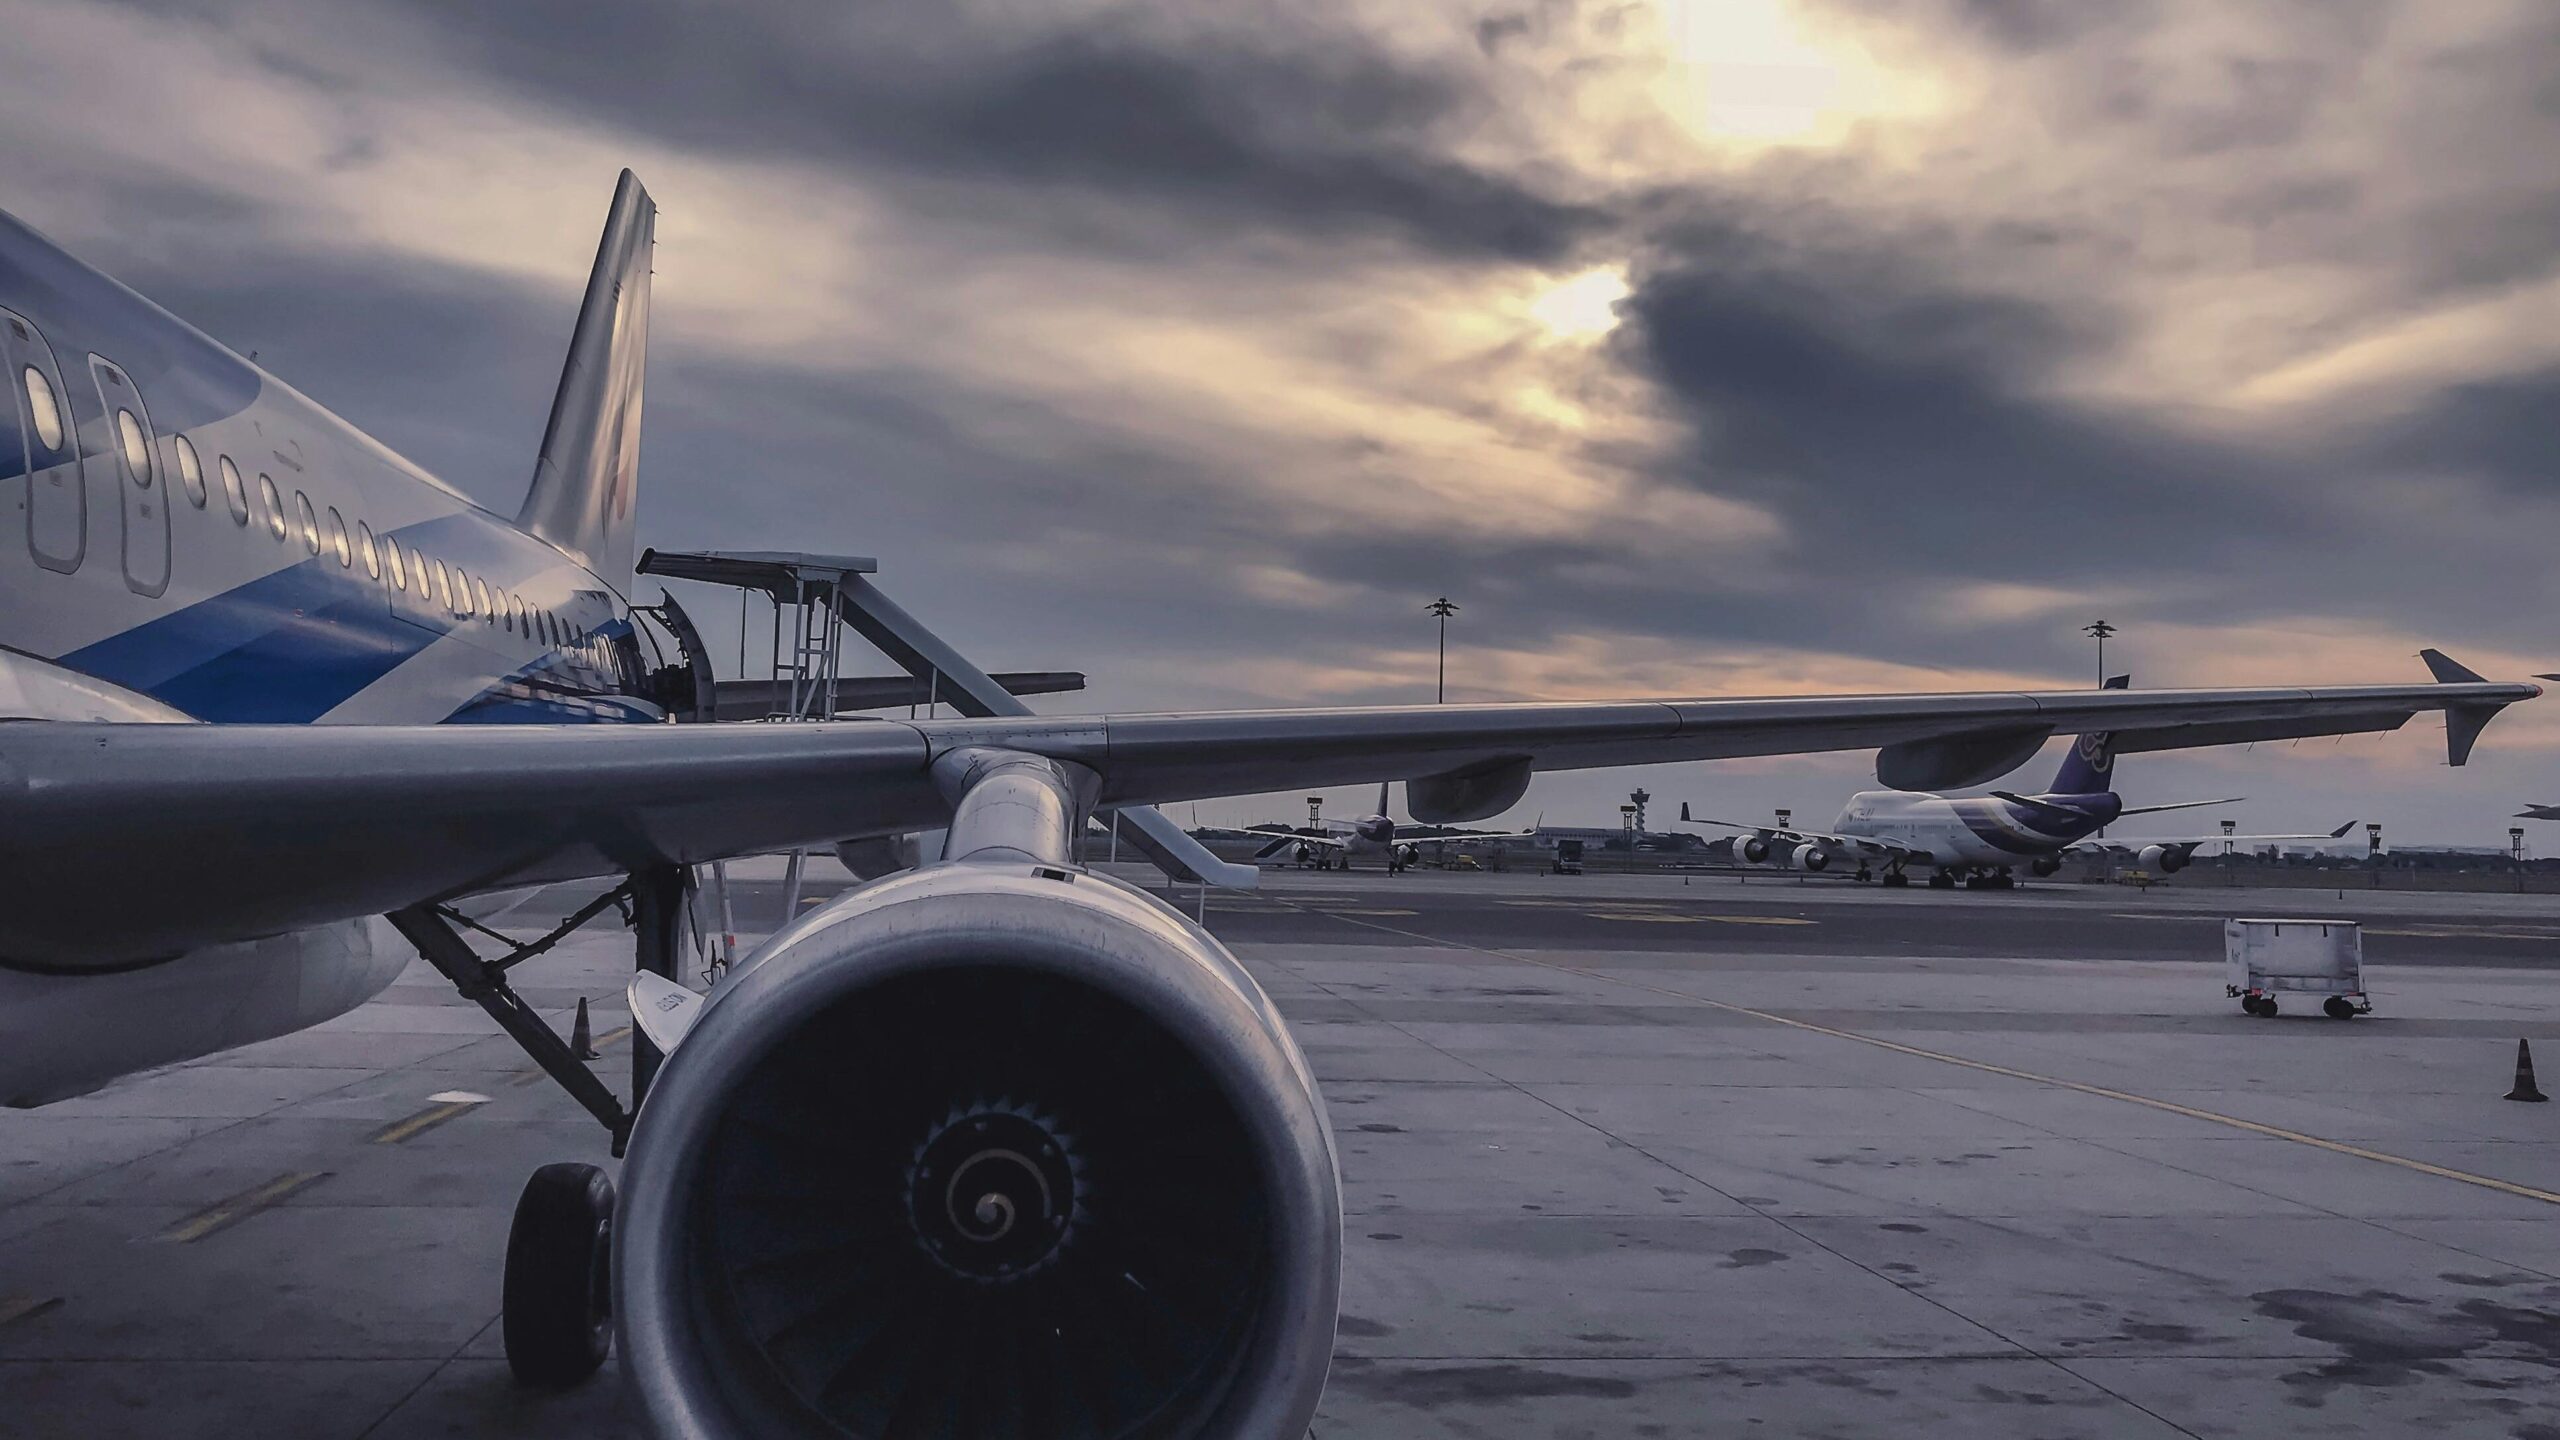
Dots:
{"x": 583, "y": 1045}
{"x": 2525, "y": 1088}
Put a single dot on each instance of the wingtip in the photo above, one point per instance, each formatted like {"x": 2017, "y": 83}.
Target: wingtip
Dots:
{"x": 2449, "y": 671}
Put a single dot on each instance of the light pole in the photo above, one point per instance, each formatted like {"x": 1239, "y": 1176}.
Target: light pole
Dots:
{"x": 1442, "y": 609}
{"x": 2100, "y": 632}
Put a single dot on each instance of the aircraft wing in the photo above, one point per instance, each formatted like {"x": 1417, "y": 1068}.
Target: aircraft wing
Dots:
{"x": 2133, "y": 843}
{"x": 123, "y": 843}
{"x": 1843, "y": 844}
{"x": 1279, "y": 840}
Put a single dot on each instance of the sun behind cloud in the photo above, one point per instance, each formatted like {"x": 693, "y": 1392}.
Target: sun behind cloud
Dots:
{"x": 1583, "y": 306}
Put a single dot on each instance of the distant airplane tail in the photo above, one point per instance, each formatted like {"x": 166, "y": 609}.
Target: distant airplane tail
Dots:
{"x": 2089, "y": 767}
{"x": 584, "y": 484}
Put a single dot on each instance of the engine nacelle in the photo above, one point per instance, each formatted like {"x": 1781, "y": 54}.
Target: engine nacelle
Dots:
{"x": 2045, "y": 866}
{"x": 1810, "y": 856}
{"x": 2163, "y": 858}
{"x": 1012, "y": 1146}
{"x": 1756, "y": 850}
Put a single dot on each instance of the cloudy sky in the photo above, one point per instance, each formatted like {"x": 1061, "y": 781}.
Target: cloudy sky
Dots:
{"x": 1693, "y": 346}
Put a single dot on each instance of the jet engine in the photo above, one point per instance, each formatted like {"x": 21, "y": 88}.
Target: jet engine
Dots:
{"x": 2163, "y": 858}
{"x": 1756, "y": 850}
{"x": 2044, "y": 866}
{"x": 1809, "y": 856}
{"x": 982, "y": 1149}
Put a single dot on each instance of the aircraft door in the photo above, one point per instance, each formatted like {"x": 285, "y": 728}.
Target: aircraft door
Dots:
{"x": 57, "y": 492}
{"x": 129, "y": 456}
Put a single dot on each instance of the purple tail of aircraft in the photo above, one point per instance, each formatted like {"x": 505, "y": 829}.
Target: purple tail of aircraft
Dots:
{"x": 2089, "y": 767}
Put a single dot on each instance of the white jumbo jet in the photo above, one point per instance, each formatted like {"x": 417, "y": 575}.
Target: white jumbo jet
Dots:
{"x": 283, "y": 701}
{"x": 1981, "y": 840}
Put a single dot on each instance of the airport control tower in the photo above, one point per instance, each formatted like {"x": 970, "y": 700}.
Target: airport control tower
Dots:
{"x": 1640, "y": 796}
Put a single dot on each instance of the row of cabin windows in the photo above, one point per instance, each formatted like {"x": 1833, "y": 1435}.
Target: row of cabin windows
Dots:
{"x": 464, "y": 595}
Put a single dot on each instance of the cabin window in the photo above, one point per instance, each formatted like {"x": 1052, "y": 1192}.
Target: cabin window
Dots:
{"x": 338, "y": 539}
{"x": 397, "y": 567}
{"x": 310, "y": 522}
{"x": 444, "y": 586}
{"x": 234, "y": 494}
{"x": 271, "y": 505}
{"x": 364, "y": 547}
{"x": 43, "y": 409}
{"x": 137, "y": 450}
{"x": 461, "y": 593}
{"x": 480, "y": 599}
{"x": 190, "y": 469}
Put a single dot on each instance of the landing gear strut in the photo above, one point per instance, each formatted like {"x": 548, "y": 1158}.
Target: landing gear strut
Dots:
{"x": 557, "y": 1306}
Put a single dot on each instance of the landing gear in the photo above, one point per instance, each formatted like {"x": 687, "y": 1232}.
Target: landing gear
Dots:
{"x": 557, "y": 1306}
{"x": 1894, "y": 879}
{"x": 1942, "y": 879}
{"x": 1864, "y": 875}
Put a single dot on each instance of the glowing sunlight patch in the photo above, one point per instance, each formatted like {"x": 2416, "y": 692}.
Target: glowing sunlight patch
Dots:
{"x": 1746, "y": 72}
{"x": 1583, "y": 307}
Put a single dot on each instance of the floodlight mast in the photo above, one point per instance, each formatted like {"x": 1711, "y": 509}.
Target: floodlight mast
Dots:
{"x": 1442, "y": 609}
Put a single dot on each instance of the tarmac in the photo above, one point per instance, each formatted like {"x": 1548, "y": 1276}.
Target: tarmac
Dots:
{"x": 1622, "y": 1155}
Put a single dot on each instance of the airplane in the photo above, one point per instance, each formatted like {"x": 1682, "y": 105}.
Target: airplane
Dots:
{"x": 1331, "y": 847}
{"x": 287, "y": 708}
{"x": 1981, "y": 840}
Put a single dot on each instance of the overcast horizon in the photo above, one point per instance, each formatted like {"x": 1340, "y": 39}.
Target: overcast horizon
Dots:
{"x": 1693, "y": 347}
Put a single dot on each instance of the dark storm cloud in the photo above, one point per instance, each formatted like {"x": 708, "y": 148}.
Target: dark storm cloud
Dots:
{"x": 1308, "y": 133}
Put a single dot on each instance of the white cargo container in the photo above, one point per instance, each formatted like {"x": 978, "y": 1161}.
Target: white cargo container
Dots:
{"x": 2266, "y": 958}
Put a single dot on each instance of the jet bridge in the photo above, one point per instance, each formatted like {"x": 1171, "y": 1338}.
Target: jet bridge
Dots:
{"x": 816, "y": 598}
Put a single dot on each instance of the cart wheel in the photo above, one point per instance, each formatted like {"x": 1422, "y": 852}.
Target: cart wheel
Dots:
{"x": 2266, "y": 1007}
{"x": 2249, "y": 1005}
{"x": 2339, "y": 1007}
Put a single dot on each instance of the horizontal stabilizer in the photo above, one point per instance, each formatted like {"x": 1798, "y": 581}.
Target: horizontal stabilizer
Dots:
{"x": 756, "y": 699}
{"x": 2180, "y": 805}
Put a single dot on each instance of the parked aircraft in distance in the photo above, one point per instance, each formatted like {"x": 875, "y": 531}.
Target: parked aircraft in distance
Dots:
{"x": 1330, "y": 845}
{"x": 992, "y": 1130}
{"x": 1981, "y": 841}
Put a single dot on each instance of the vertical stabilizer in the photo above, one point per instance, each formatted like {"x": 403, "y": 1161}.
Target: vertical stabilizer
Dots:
{"x": 2089, "y": 766}
{"x": 585, "y": 481}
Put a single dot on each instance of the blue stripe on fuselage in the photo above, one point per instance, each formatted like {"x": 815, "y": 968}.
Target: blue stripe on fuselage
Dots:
{"x": 296, "y": 643}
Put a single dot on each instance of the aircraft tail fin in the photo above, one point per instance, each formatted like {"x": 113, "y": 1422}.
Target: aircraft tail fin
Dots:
{"x": 584, "y": 482}
{"x": 2089, "y": 766}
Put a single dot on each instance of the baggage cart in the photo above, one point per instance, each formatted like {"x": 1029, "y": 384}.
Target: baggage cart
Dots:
{"x": 2320, "y": 960}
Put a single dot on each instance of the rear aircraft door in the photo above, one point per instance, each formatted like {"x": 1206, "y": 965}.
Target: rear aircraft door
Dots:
{"x": 57, "y": 492}
{"x": 129, "y": 453}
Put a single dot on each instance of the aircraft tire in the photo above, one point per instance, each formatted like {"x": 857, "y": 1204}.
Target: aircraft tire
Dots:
{"x": 1941, "y": 880}
{"x": 557, "y": 1310}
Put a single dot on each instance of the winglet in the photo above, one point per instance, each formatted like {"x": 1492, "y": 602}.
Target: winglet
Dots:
{"x": 2341, "y": 832}
{"x": 2462, "y": 723}
{"x": 2449, "y": 671}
